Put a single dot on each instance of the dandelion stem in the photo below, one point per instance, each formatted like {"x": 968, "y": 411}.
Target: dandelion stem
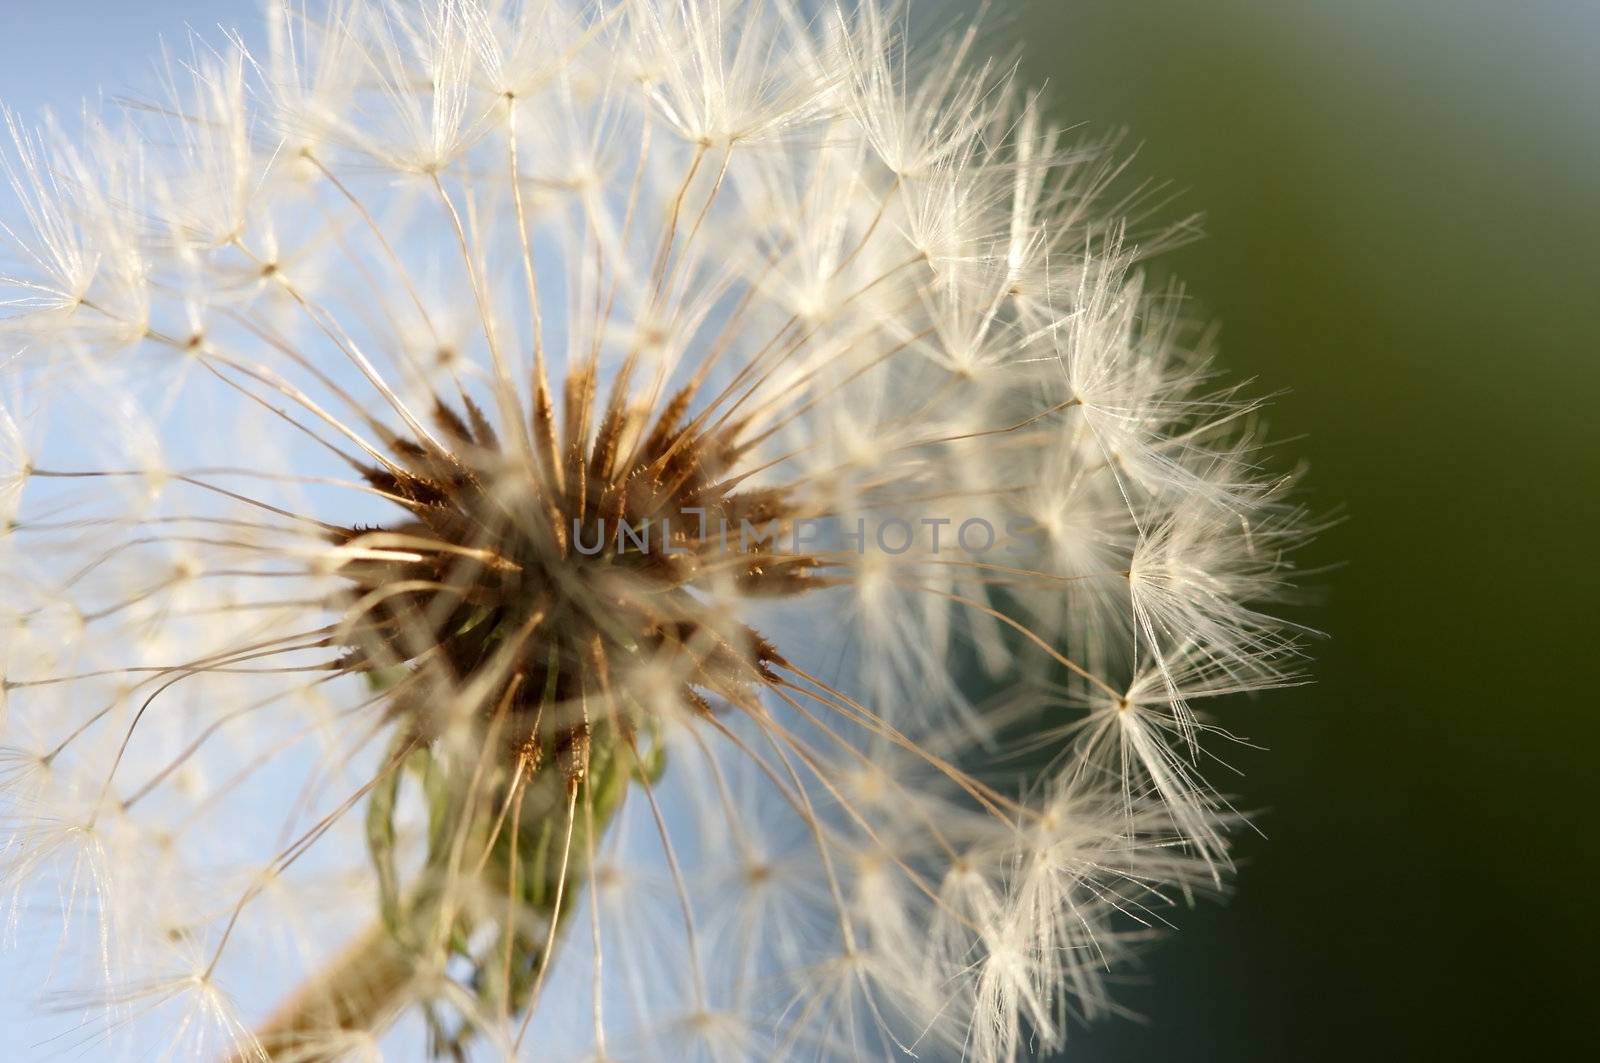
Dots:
{"x": 363, "y": 988}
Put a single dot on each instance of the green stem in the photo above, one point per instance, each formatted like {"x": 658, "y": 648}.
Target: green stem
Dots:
{"x": 381, "y": 972}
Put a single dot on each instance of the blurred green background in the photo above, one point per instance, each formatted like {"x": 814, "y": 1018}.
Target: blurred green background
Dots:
{"x": 1402, "y": 208}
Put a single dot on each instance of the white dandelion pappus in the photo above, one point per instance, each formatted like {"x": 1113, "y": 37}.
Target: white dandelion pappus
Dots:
{"x": 513, "y": 512}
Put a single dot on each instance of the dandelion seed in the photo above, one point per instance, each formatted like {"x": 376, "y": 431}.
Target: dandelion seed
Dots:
{"x": 512, "y": 517}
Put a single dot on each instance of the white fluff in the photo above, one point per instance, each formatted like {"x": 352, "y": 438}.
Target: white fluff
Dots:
{"x": 885, "y": 257}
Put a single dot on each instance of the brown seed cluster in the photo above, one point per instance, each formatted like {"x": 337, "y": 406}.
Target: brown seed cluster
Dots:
{"x": 507, "y": 579}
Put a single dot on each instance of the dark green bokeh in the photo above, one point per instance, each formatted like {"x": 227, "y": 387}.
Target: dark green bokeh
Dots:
{"x": 1403, "y": 219}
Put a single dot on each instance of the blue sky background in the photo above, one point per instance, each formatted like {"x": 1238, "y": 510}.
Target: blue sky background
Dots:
{"x": 57, "y": 52}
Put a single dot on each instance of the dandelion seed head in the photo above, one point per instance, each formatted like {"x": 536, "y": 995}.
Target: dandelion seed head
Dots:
{"x": 665, "y": 528}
